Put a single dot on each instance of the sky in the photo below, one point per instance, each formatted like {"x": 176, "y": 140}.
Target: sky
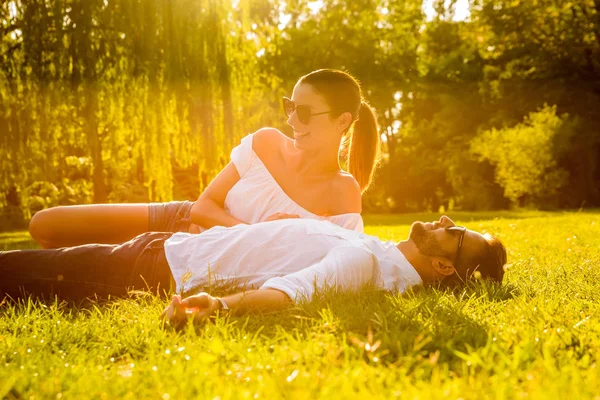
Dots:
{"x": 461, "y": 7}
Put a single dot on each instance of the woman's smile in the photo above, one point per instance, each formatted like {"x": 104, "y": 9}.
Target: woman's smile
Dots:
{"x": 300, "y": 135}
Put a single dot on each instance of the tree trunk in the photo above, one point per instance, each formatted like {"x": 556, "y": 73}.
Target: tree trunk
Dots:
{"x": 225, "y": 83}
{"x": 84, "y": 76}
{"x": 94, "y": 143}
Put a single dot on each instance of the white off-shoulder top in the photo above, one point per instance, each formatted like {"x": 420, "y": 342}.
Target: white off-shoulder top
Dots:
{"x": 257, "y": 195}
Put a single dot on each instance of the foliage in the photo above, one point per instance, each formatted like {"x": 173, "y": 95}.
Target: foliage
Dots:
{"x": 128, "y": 86}
{"x": 488, "y": 73}
{"x": 546, "y": 52}
{"x": 537, "y": 336}
{"x": 149, "y": 91}
{"x": 525, "y": 155}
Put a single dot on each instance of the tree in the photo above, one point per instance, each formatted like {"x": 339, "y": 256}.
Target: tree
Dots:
{"x": 525, "y": 156}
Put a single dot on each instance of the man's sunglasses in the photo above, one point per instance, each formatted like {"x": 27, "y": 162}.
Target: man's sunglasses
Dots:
{"x": 302, "y": 111}
{"x": 462, "y": 231}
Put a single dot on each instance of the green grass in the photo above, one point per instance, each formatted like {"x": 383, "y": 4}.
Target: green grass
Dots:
{"x": 538, "y": 336}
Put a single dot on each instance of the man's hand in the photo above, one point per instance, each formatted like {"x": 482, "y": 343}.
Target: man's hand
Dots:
{"x": 277, "y": 216}
{"x": 199, "y": 307}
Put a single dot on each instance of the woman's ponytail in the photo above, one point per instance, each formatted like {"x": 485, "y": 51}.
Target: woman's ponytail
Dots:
{"x": 363, "y": 152}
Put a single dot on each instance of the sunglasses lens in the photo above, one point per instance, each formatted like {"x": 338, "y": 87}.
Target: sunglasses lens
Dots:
{"x": 288, "y": 107}
{"x": 303, "y": 114}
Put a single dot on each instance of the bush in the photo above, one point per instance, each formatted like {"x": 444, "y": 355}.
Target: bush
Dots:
{"x": 525, "y": 156}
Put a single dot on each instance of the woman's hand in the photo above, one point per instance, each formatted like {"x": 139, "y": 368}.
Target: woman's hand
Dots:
{"x": 278, "y": 216}
{"x": 194, "y": 228}
{"x": 199, "y": 307}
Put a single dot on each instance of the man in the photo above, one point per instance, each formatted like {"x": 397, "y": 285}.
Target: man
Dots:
{"x": 280, "y": 262}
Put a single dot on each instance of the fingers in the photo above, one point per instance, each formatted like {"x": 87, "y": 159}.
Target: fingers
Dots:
{"x": 278, "y": 216}
{"x": 288, "y": 216}
{"x": 176, "y": 307}
{"x": 174, "y": 313}
{"x": 198, "y": 307}
{"x": 170, "y": 309}
{"x": 201, "y": 316}
{"x": 272, "y": 217}
{"x": 201, "y": 300}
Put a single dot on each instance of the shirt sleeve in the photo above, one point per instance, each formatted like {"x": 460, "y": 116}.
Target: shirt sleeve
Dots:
{"x": 343, "y": 267}
{"x": 242, "y": 155}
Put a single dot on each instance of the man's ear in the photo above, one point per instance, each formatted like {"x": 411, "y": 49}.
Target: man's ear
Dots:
{"x": 443, "y": 266}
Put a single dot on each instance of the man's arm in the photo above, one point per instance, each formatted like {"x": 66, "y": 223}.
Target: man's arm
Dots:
{"x": 203, "y": 305}
{"x": 343, "y": 267}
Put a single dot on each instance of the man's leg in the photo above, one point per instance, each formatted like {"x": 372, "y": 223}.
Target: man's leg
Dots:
{"x": 75, "y": 273}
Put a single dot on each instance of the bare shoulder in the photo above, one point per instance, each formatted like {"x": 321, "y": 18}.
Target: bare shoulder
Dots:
{"x": 345, "y": 194}
{"x": 265, "y": 140}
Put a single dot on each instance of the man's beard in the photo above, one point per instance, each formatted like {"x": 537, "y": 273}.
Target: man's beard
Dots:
{"x": 425, "y": 241}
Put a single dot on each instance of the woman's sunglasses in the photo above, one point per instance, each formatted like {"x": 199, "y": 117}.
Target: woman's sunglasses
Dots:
{"x": 302, "y": 111}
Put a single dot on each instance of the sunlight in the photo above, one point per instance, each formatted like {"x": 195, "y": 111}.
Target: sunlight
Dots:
{"x": 12, "y": 9}
{"x": 315, "y": 6}
{"x": 12, "y": 12}
{"x": 284, "y": 19}
{"x": 130, "y": 179}
{"x": 461, "y": 10}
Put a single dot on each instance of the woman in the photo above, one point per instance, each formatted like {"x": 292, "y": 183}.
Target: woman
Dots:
{"x": 270, "y": 176}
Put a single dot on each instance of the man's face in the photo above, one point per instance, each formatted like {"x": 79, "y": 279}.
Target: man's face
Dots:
{"x": 433, "y": 240}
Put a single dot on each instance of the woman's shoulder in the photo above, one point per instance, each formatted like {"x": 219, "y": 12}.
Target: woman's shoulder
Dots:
{"x": 268, "y": 142}
{"x": 268, "y": 138}
{"x": 345, "y": 194}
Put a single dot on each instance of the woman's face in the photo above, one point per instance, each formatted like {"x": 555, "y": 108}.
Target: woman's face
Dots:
{"x": 321, "y": 131}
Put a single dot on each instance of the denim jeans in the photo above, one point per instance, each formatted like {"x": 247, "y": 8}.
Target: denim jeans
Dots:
{"x": 91, "y": 270}
{"x": 172, "y": 216}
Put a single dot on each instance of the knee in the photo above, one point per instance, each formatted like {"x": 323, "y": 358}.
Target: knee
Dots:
{"x": 40, "y": 228}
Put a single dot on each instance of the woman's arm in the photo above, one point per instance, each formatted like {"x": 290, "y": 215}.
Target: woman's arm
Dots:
{"x": 209, "y": 209}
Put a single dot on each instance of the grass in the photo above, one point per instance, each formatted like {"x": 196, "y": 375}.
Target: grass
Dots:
{"x": 538, "y": 336}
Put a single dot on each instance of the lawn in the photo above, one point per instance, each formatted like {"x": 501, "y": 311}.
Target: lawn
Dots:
{"x": 537, "y": 336}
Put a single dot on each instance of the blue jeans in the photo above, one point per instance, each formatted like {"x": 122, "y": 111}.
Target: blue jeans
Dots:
{"x": 90, "y": 270}
{"x": 172, "y": 216}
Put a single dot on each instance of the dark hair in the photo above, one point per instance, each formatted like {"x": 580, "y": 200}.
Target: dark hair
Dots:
{"x": 488, "y": 264}
{"x": 343, "y": 94}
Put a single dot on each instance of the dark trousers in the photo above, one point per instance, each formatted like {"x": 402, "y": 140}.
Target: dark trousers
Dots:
{"x": 90, "y": 270}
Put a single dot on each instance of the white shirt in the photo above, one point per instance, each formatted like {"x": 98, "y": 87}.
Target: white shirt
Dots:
{"x": 257, "y": 195}
{"x": 296, "y": 256}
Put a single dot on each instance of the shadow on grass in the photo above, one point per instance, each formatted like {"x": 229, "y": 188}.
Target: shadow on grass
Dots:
{"x": 379, "y": 326}
{"x": 490, "y": 291}
{"x": 426, "y": 322}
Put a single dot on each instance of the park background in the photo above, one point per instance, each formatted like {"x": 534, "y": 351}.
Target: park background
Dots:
{"x": 486, "y": 108}
{"x": 483, "y": 105}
